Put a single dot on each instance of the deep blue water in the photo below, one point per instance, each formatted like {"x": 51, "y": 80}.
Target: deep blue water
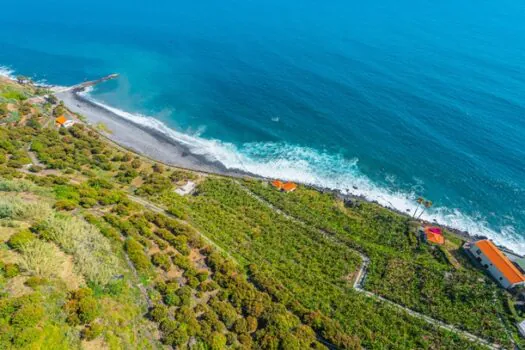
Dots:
{"x": 398, "y": 98}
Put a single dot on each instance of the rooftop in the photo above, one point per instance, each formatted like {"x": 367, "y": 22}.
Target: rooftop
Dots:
{"x": 61, "y": 120}
{"x": 500, "y": 261}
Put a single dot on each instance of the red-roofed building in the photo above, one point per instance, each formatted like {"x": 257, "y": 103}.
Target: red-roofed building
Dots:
{"x": 61, "y": 120}
{"x": 497, "y": 264}
{"x": 434, "y": 235}
{"x": 289, "y": 187}
{"x": 277, "y": 184}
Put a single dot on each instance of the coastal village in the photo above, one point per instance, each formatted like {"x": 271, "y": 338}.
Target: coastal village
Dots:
{"x": 381, "y": 267}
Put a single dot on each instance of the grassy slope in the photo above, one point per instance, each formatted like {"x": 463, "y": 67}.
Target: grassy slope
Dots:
{"x": 308, "y": 276}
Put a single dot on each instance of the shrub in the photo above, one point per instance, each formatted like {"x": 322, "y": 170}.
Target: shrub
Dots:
{"x": 218, "y": 341}
{"x": 11, "y": 270}
{"x": 182, "y": 261}
{"x": 172, "y": 299}
{"x": 100, "y": 183}
{"x": 202, "y": 276}
{"x": 135, "y": 164}
{"x": 161, "y": 260}
{"x": 92, "y": 331}
{"x": 14, "y": 163}
{"x": 35, "y": 168}
{"x": 137, "y": 256}
{"x": 25, "y": 337}
{"x": 158, "y": 313}
{"x": 81, "y": 307}
{"x": 35, "y": 281}
{"x": 87, "y": 202}
{"x": 65, "y": 204}
{"x": 20, "y": 238}
{"x": 28, "y": 315}
{"x": 158, "y": 168}
{"x": 178, "y": 212}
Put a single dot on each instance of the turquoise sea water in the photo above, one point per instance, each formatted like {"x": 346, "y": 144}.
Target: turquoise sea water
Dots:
{"x": 394, "y": 98}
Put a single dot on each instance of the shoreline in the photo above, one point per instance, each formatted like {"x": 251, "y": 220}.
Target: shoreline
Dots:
{"x": 152, "y": 144}
{"x": 143, "y": 140}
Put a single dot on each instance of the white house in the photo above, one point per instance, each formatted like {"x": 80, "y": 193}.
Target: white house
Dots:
{"x": 497, "y": 264}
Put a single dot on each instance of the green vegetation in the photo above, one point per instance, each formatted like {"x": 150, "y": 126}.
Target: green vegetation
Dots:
{"x": 402, "y": 269}
{"x": 83, "y": 263}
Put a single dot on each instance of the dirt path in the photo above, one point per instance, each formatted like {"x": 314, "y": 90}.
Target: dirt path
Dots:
{"x": 33, "y": 157}
{"x": 141, "y": 287}
{"x": 361, "y": 276}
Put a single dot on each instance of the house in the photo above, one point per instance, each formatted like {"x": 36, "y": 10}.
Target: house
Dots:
{"x": 277, "y": 184}
{"x": 517, "y": 259}
{"x": 432, "y": 235}
{"x": 64, "y": 122}
{"x": 289, "y": 187}
{"x": 69, "y": 123}
{"x": 496, "y": 263}
{"x": 60, "y": 120}
{"x": 186, "y": 189}
{"x": 286, "y": 187}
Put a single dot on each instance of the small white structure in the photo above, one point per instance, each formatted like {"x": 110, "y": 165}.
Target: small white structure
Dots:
{"x": 497, "y": 264}
{"x": 521, "y": 328}
{"x": 186, "y": 189}
{"x": 68, "y": 123}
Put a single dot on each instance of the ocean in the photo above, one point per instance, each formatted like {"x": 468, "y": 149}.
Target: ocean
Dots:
{"x": 387, "y": 99}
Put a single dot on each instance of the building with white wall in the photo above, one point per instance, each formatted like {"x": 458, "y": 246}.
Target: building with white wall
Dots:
{"x": 497, "y": 264}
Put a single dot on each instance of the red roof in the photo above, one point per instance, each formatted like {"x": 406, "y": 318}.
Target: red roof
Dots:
{"x": 289, "y": 187}
{"x": 435, "y": 230}
{"x": 500, "y": 261}
{"x": 277, "y": 184}
{"x": 434, "y": 235}
{"x": 61, "y": 120}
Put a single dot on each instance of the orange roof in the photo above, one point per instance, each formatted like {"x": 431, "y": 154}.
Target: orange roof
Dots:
{"x": 500, "y": 261}
{"x": 61, "y": 120}
{"x": 278, "y": 184}
{"x": 435, "y": 237}
{"x": 289, "y": 186}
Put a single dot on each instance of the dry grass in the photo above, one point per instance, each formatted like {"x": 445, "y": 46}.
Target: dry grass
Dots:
{"x": 91, "y": 250}
{"x": 16, "y": 209}
{"x": 41, "y": 258}
{"x": 21, "y": 186}
{"x": 15, "y": 287}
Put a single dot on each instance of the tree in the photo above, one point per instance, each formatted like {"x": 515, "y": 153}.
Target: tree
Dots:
{"x": 158, "y": 168}
{"x": 217, "y": 341}
{"x": 52, "y": 99}
{"x": 135, "y": 164}
{"x": 420, "y": 200}
{"x": 427, "y": 205}
{"x": 22, "y": 79}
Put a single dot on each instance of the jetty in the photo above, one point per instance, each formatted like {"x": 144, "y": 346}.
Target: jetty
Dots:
{"x": 86, "y": 84}
{"x": 74, "y": 88}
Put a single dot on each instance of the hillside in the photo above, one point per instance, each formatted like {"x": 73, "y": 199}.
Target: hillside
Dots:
{"x": 100, "y": 251}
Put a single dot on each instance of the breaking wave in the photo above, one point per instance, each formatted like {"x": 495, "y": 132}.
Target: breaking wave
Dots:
{"x": 313, "y": 167}
{"x": 6, "y": 72}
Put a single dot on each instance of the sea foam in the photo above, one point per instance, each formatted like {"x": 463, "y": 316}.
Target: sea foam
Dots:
{"x": 9, "y": 73}
{"x": 321, "y": 169}
{"x": 6, "y": 72}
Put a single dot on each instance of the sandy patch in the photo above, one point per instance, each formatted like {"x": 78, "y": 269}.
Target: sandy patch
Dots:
{"x": 95, "y": 344}
{"x": 15, "y": 286}
{"x": 71, "y": 278}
